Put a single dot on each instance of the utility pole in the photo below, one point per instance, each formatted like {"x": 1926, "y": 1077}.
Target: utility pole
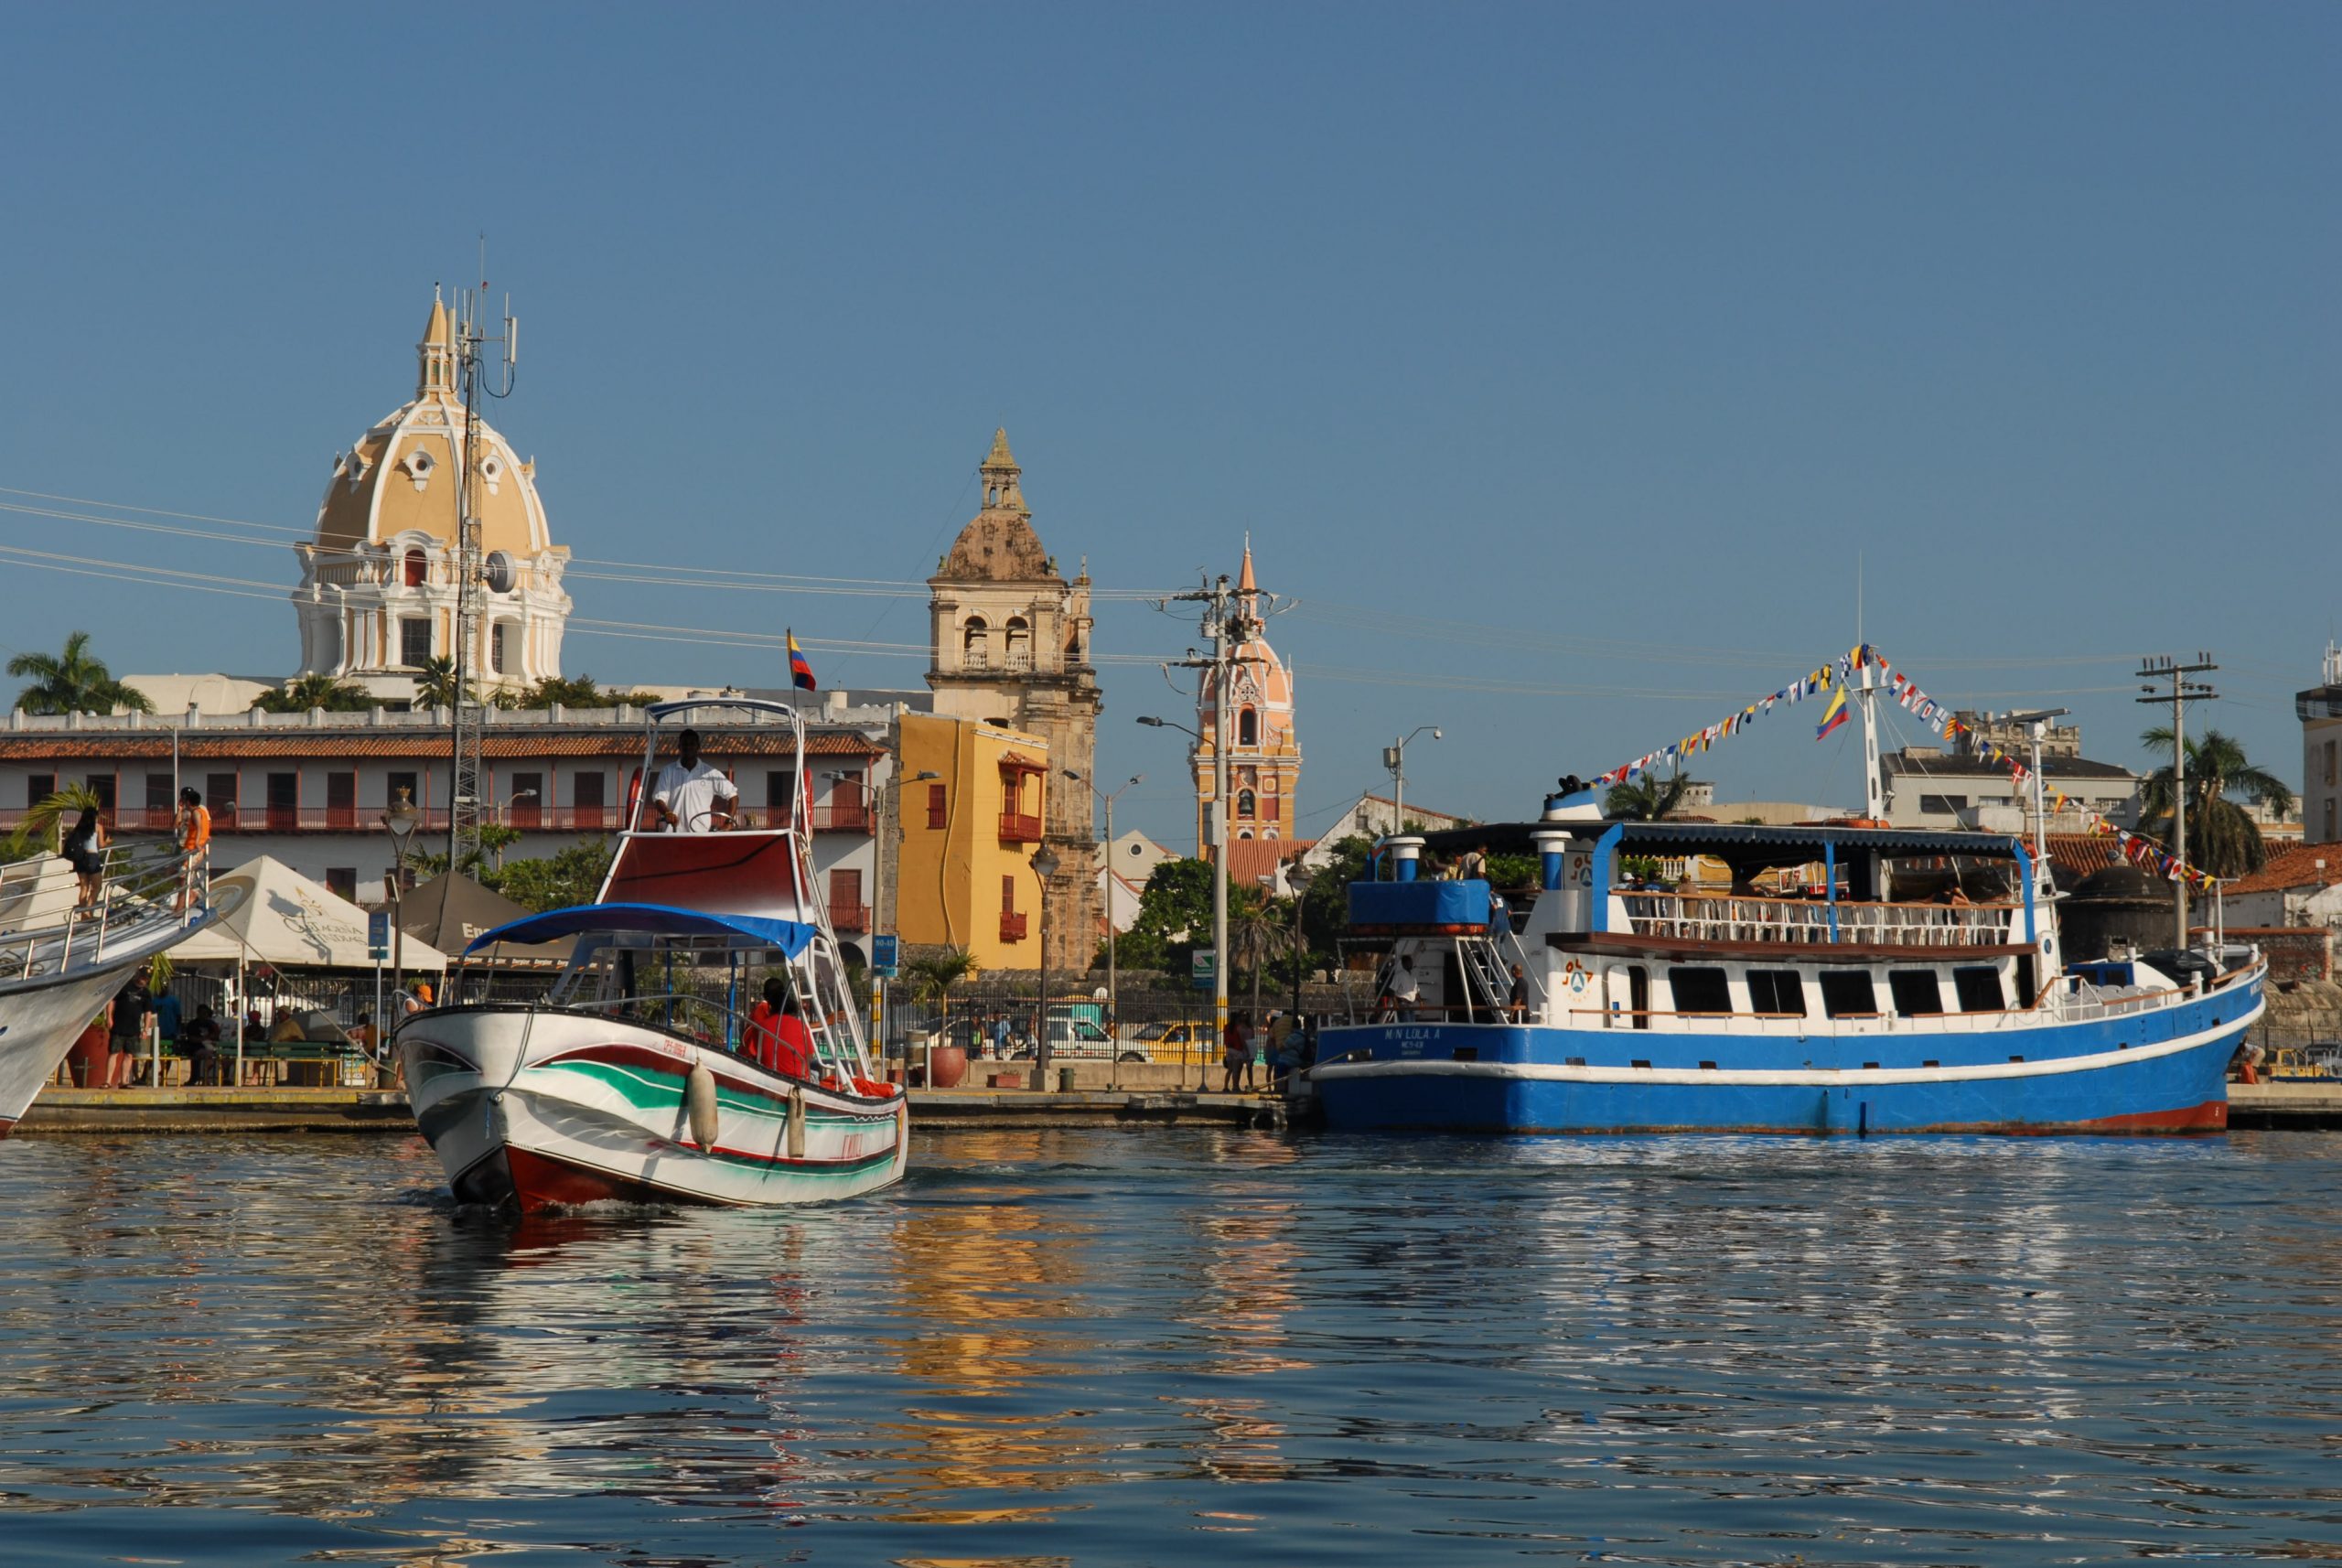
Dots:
{"x": 2182, "y": 692}
{"x": 1230, "y": 620}
{"x": 1394, "y": 757}
{"x": 464, "y": 791}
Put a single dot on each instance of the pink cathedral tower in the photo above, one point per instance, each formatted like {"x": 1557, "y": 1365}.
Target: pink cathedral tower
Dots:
{"x": 1263, "y": 753}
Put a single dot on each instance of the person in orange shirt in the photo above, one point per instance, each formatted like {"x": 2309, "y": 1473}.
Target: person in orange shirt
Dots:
{"x": 193, "y": 830}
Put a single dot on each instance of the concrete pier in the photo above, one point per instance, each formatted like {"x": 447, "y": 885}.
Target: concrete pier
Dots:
{"x": 288, "y": 1110}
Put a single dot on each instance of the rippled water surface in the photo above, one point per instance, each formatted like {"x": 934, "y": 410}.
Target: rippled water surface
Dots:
{"x": 1182, "y": 1347}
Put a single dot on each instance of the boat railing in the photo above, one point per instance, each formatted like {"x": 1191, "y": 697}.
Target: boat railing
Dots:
{"x": 45, "y": 925}
{"x": 1732, "y": 918}
{"x": 701, "y": 1018}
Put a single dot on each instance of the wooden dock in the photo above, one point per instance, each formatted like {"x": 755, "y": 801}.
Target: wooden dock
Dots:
{"x": 290, "y": 1110}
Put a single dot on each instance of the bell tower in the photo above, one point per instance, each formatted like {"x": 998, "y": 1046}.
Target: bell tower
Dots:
{"x": 1009, "y": 641}
{"x": 1263, "y": 754}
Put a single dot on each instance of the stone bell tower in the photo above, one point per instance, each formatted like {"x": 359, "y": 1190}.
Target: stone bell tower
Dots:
{"x": 1009, "y": 641}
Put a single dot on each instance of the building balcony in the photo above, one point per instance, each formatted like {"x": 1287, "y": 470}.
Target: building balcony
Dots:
{"x": 1017, "y": 827}
{"x": 1012, "y": 926}
{"x": 852, "y": 918}
{"x": 842, "y": 816}
{"x": 338, "y": 820}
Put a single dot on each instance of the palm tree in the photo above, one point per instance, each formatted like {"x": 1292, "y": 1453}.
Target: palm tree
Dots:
{"x": 73, "y": 682}
{"x": 1254, "y": 930}
{"x": 36, "y": 833}
{"x": 434, "y": 682}
{"x": 933, "y": 977}
{"x": 1646, "y": 799}
{"x": 319, "y": 691}
{"x": 2221, "y": 839}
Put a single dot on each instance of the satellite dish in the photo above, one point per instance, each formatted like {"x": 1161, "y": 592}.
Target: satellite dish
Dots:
{"x": 499, "y": 571}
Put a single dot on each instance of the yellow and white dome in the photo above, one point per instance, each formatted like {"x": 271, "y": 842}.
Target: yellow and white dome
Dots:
{"x": 402, "y": 476}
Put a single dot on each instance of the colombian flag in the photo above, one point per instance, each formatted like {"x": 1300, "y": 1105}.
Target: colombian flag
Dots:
{"x": 801, "y": 674}
{"x": 1835, "y": 714}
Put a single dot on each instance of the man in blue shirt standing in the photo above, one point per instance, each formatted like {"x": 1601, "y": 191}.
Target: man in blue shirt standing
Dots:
{"x": 166, "y": 1022}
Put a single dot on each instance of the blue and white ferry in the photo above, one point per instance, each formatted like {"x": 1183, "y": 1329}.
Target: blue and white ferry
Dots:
{"x": 1854, "y": 979}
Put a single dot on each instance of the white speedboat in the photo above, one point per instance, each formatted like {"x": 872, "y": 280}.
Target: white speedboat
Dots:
{"x": 640, "y": 1077}
{"x": 61, "y": 962}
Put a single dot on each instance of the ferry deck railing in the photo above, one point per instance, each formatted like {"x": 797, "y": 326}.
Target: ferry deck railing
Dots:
{"x": 43, "y": 924}
{"x": 1732, "y": 918}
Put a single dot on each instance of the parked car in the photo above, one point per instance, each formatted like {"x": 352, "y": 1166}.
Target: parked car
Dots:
{"x": 1069, "y": 1037}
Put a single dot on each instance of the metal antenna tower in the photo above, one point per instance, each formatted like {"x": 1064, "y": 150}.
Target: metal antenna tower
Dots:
{"x": 473, "y": 574}
{"x": 2183, "y": 692}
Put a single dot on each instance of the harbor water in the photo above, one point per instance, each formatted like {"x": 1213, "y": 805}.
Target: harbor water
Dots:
{"x": 1104, "y": 1347}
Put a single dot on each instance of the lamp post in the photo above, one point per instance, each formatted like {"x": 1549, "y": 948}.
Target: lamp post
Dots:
{"x": 1394, "y": 757}
{"x": 1113, "y": 991}
{"x": 878, "y": 893}
{"x": 504, "y": 817}
{"x": 402, "y": 819}
{"x": 1045, "y": 865}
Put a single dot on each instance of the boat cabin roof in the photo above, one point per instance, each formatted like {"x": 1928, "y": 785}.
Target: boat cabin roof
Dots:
{"x": 1740, "y": 846}
{"x": 789, "y": 937}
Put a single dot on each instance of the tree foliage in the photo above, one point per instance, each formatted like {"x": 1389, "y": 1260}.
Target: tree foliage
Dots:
{"x": 434, "y": 684}
{"x": 1173, "y": 915}
{"x": 2221, "y": 839}
{"x": 72, "y": 681}
{"x": 1648, "y": 799}
{"x": 567, "y": 876}
{"x": 579, "y": 692}
{"x": 306, "y": 691}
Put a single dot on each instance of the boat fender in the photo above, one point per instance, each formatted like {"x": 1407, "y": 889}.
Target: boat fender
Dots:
{"x": 797, "y": 1123}
{"x": 699, "y": 1098}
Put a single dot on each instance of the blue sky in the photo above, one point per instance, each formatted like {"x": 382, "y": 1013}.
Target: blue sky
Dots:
{"x": 1562, "y": 360}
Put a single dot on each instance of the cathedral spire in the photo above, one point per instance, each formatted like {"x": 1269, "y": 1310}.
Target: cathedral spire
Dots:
{"x": 1245, "y": 583}
{"x": 438, "y": 351}
{"x": 1000, "y": 474}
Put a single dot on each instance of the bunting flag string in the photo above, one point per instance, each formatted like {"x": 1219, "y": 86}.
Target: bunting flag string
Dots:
{"x": 1836, "y": 678}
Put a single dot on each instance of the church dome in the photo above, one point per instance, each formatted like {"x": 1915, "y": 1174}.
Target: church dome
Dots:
{"x": 402, "y": 476}
{"x": 998, "y": 545}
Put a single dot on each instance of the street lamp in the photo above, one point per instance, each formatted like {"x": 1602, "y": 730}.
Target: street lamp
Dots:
{"x": 1394, "y": 757}
{"x": 402, "y": 819}
{"x": 504, "y": 817}
{"x": 1045, "y": 865}
{"x": 1113, "y": 991}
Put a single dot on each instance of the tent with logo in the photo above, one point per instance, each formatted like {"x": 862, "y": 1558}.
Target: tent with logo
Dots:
{"x": 449, "y": 912}
{"x": 271, "y": 913}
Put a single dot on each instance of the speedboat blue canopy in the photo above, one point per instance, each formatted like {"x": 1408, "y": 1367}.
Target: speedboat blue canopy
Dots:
{"x": 789, "y": 936}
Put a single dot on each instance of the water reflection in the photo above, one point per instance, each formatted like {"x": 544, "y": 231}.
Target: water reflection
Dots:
{"x": 1052, "y": 1348}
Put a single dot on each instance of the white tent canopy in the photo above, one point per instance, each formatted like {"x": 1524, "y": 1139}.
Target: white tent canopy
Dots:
{"x": 275, "y": 915}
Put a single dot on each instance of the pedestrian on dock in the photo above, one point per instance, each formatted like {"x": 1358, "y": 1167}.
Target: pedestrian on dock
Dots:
{"x": 200, "y": 1041}
{"x": 1236, "y": 1051}
{"x": 123, "y": 1033}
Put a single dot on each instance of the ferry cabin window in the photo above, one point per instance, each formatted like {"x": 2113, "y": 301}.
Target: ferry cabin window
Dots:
{"x": 1978, "y": 989}
{"x": 1638, "y": 996}
{"x": 1700, "y": 989}
{"x": 1916, "y": 993}
{"x": 1848, "y": 995}
{"x": 1776, "y": 990}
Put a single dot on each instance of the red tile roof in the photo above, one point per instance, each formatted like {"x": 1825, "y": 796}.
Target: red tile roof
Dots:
{"x": 2077, "y": 856}
{"x": 1249, "y": 860}
{"x": 2295, "y": 867}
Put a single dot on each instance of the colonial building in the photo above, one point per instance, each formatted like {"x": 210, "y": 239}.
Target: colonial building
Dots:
{"x": 1263, "y": 754}
{"x": 311, "y": 789}
{"x": 971, "y": 810}
{"x": 378, "y": 581}
{"x": 1009, "y": 646}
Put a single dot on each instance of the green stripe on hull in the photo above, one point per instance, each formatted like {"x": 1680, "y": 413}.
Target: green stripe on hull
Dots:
{"x": 664, "y": 1091}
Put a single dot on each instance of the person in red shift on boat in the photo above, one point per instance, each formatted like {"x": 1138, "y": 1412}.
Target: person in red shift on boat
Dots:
{"x": 783, "y": 1043}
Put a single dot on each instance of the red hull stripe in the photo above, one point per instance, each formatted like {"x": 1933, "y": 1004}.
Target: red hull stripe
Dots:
{"x": 539, "y": 1183}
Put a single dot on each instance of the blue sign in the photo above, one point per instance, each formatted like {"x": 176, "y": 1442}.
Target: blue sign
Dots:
{"x": 883, "y": 956}
{"x": 377, "y": 933}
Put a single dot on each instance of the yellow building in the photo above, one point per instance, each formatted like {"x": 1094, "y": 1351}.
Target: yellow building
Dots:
{"x": 964, "y": 873}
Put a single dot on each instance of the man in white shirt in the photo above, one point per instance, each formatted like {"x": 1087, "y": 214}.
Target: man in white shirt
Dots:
{"x": 694, "y": 797}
